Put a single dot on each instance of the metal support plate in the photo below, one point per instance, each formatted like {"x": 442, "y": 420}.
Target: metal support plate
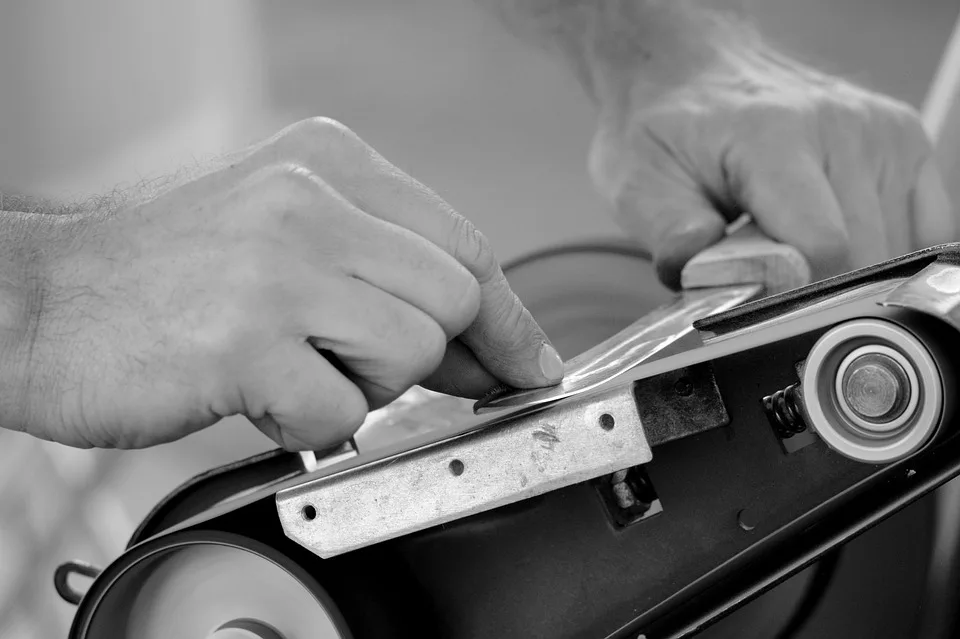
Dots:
{"x": 475, "y": 472}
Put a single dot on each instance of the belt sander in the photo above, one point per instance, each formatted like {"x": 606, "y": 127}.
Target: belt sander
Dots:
{"x": 716, "y": 446}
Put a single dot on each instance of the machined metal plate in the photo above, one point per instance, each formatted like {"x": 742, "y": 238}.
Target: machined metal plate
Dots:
{"x": 465, "y": 475}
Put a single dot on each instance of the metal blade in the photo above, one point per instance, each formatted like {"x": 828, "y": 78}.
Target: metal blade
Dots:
{"x": 639, "y": 342}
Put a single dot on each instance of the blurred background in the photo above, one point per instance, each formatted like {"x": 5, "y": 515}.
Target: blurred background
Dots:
{"x": 105, "y": 93}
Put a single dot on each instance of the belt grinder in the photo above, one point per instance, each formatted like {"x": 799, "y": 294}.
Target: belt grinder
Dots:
{"x": 702, "y": 455}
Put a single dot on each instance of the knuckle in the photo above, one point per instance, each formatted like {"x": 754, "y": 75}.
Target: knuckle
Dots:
{"x": 608, "y": 169}
{"x": 322, "y": 129}
{"x": 900, "y": 111}
{"x": 465, "y": 310}
{"x": 843, "y": 115}
{"x": 346, "y": 416}
{"x": 916, "y": 138}
{"x": 353, "y": 411}
{"x": 471, "y": 248}
{"x": 768, "y": 123}
{"x": 770, "y": 111}
{"x": 603, "y": 160}
{"x": 904, "y": 125}
{"x": 309, "y": 140}
{"x": 512, "y": 320}
{"x": 430, "y": 345}
{"x": 414, "y": 347}
{"x": 283, "y": 196}
{"x": 285, "y": 182}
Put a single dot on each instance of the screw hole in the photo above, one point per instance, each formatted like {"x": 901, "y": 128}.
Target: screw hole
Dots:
{"x": 607, "y": 422}
{"x": 309, "y": 512}
{"x": 683, "y": 387}
{"x": 456, "y": 467}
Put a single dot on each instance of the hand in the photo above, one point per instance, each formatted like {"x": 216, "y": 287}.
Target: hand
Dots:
{"x": 844, "y": 175}
{"x": 302, "y": 285}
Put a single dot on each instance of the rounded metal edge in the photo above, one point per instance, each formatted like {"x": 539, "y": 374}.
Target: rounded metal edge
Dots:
{"x": 61, "y": 576}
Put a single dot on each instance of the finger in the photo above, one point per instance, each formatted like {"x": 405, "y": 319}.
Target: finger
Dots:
{"x": 300, "y": 401}
{"x": 506, "y": 339}
{"x": 413, "y": 269}
{"x": 865, "y": 220}
{"x": 504, "y": 336}
{"x": 791, "y": 200}
{"x": 383, "y": 344}
{"x": 933, "y": 216}
{"x": 671, "y": 218}
{"x": 460, "y": 374}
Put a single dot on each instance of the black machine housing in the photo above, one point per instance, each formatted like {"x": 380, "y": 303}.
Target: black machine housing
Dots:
{"x": 740, "y": 513}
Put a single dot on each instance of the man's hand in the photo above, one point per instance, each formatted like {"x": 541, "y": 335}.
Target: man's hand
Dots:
{"x": 699, "y": 121}
{"x": 845, "y": 175}
{"x": 302, "y": 285}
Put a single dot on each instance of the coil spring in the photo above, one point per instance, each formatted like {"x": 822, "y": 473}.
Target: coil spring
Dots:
{"x": 783, "y": 411}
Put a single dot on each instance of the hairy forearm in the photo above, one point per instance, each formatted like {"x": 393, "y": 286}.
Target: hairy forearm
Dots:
{"x": 649, "y": 45}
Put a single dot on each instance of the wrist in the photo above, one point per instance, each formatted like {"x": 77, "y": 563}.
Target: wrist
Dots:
{"x": 641, "y": 57}
{"x": 31, "y": 246}
{"x": 700, "y": 51}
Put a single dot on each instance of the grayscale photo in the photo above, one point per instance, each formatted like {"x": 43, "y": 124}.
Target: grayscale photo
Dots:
{"x": 480, "y": 319}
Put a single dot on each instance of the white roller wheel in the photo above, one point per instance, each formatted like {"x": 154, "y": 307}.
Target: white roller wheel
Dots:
{"x": 218, "y": 591}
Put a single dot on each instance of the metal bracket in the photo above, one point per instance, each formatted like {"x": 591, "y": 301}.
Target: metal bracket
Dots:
{"x": 679, "y": 403}
{"x": 522, "y": 457}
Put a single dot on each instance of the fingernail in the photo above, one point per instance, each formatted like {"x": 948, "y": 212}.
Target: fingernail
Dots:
{"x": 550, "y": 363}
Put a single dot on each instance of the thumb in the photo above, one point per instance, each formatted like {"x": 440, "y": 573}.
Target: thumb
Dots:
{"x": 671, "y": 219}
{"x": 508, "y": 342}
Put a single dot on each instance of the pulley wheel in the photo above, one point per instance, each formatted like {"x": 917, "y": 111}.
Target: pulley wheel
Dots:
{"x": 211, "y": 585}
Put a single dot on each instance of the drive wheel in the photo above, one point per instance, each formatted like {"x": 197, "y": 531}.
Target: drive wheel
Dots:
{"x": 208, "y": 585}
